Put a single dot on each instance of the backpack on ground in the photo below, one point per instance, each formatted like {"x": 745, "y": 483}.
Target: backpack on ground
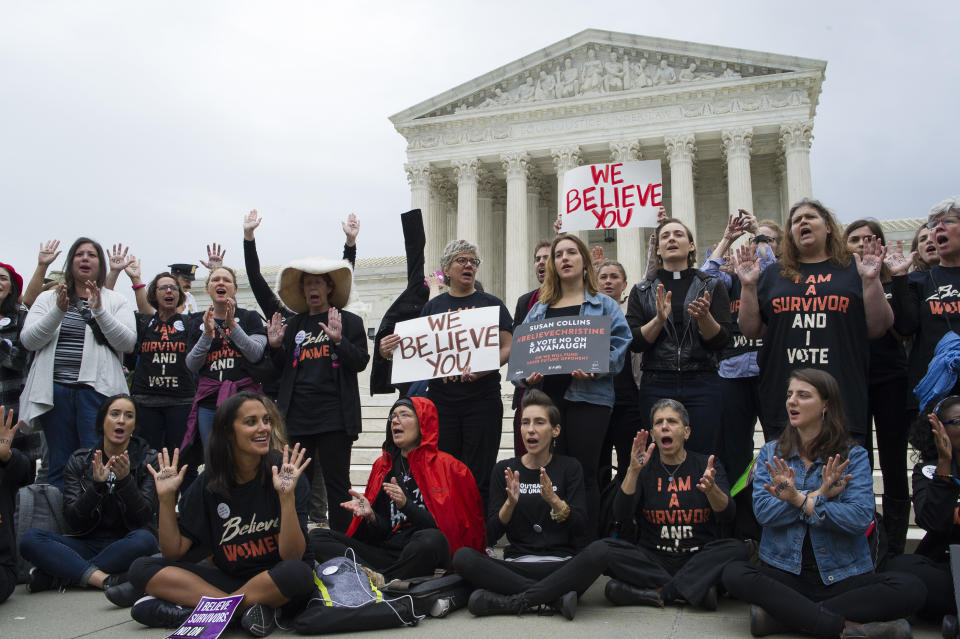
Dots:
{"x": 437, "y": 595}
{"x": 347, "y": 601}
{"x": 38, "y": 506}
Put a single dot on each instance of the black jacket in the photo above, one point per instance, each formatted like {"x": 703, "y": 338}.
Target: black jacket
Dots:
{"x": 935, "y": 505}
{"x": 134, "y": 496}
{"x": 407, "y": 306}
{"x": 352, "y": 356}
{"x": 682, "y": 350}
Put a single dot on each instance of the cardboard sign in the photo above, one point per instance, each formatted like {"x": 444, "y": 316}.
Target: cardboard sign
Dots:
{"x": 612, "y": 196}
{"x": 209, "y": 619}
{"x": 560, "y": 345}
{"x": 445, "y": 344}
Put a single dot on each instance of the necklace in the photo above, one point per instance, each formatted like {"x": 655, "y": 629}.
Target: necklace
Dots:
{"x": 671, "y": 475}
{"x": 404, "y": 469}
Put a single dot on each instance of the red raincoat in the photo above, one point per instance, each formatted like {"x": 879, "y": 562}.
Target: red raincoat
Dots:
{"x": 446, "y": 484}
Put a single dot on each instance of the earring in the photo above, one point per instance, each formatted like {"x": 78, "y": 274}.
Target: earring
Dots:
{"x": 823, "y": 415}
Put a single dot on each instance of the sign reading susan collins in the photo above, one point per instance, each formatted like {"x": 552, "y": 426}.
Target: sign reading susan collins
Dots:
{"x": 560, "y": 345}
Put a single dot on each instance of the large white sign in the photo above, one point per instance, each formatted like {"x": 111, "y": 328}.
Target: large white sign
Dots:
{"x": 445, "y": 344}
{"x": 612, "y": 196}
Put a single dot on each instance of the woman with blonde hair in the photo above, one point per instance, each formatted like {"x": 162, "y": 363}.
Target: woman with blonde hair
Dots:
{"x": 585, "y": 399}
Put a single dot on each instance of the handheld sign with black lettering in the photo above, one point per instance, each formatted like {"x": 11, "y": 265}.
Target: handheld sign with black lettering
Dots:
{"x": 612, "y": 196}
{"x": 446, "y": 343}
{"x": 560, "y": 345}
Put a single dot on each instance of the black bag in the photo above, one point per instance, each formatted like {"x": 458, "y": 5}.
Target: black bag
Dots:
{"x": 38, "y": 506}
{"x": 610, "y": 527}
{"x": 436, "y": 595}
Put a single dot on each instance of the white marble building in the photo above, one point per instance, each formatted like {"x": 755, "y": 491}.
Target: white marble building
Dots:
{"x": 486, "y": 158}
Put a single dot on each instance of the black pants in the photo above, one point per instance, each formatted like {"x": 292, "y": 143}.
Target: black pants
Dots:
{"x": 687, "y": 576}
{"x": 624, "y": 424}
{"x": 471, "y": 433}
{"x": 293, "y": 578}
{"x": 803, "y": 603}
{"x": 936, "y": 577}
{"x": 163, "y": 426}
{"x": 741, "y": 408}
{"x": 425, "y": 551}
{"x": 331, "y": 462}
{"x": 583, "y": 428}
{"x": 8, "y": 581}
{"x": 540, "y": 582}
{"x": 888, "y": 407}
{"x": 701, "y": 394}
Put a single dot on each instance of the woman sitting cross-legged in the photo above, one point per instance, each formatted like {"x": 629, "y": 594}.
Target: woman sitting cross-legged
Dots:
{"x": 248, "y": 509}
{"x": 682, "y": 504}
{"x": 419, "y": 505}
{"x": 108, "y": 504}
{"x": 539, "y": 501}
{"x": 813, "y": 496}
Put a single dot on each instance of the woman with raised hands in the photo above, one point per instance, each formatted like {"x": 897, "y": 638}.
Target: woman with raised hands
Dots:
{"x": 247, "y": 509}
{"x": 538, "y": 501}
{"x": 231, "y": 340}
{"x": 78, "y": 331}
{"x": 813, "y": 496}
{"x": 816, "y": 308}
{"x": 585, "y": 399}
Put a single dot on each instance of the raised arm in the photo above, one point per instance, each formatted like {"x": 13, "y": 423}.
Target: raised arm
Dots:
{"x": 48, "y": 254}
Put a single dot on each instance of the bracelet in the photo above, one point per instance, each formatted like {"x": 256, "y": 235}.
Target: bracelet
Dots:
{"x": 562, "y": 515}
{"x": 137, "y": 287}
{"x": 803, "y": 506}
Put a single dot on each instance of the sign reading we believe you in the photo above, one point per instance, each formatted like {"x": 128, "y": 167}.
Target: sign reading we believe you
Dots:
{"x": 612, "y": 196}
{"x": 445, "y": 344}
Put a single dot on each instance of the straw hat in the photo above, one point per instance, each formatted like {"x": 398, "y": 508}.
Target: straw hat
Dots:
{"x": 291, "y": 291}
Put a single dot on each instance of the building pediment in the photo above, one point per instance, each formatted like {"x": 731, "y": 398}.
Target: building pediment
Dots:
{"x": 601, "y": 64}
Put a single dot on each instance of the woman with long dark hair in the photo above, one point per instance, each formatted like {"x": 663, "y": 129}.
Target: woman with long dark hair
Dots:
{"x": 813, "y": 496}
{"x": 78, "y": 331}
{"x": 108, "y": 504}
{"x": 887, "y": 403}
{"x": 13, "y": 356}
{"x": 585, "y": 400}
{"x": 248, "y": 509}
{"x": 817, "y": 308}
{"x": 680, "y": 320}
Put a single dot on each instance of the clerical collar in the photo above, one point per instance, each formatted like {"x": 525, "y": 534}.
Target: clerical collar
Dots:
{"x": 686, "y": 273}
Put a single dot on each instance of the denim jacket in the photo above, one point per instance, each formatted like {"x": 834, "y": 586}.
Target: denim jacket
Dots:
{"x": 837, "y": 527}
{"x": 598, "y": 390}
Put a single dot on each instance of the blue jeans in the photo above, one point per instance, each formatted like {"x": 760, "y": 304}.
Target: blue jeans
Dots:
{"x": 204, "y": 424}
{"x": 76, "y": 558}
{"x": 69, "y": 425}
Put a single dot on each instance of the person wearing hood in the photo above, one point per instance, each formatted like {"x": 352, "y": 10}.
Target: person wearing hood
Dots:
{"x": 317, "y": 355}
{"x": 420, "y": 505}
{"x": 109, "y": 503}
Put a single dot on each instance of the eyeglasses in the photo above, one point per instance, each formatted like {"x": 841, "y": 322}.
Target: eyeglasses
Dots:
{"x": 951, "y": 422}
{"x": 463, "y": 261}
{"x": 167, "y": 287}
{"x": 947, "y": 220}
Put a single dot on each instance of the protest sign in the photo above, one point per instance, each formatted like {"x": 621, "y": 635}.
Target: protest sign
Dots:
{"x": 560, "y": 345}
{"x": 446, "y": 343}
{"x": 612, "y": 196}
{"x": 209, "y": 619}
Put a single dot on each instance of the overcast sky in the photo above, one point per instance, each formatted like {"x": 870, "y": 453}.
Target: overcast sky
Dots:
{"x": 159, "y": 124}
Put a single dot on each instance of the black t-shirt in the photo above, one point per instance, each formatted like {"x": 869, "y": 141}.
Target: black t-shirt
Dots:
{"x": 888, "y": 360}
{"x": 224, "y": 362}
{"x": 675, "y": 516}
{"x": 242, "y": 532}
{"x": 315, "y": 401}
{"x": 739, "y": 343}
{"x": 556, "y": 539}
{"x": 556, "y": 385}
{"x": 162, "y": 349}
{"x": 395, "y": 525}
{"x": 816, "y": 321}
{"x": 452, "y": 389}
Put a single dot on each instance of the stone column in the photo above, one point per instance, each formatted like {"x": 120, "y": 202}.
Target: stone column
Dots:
{"x": 534, "y": 188}
{"x": 631, "y": 250}
{"x": 491, "y": 237}
{"x": 418, "y": 175}
{"x": 780, "y": 170}
{"x": 564, "y": 159}
{"x": 681, "y": 154}
{"x": 515, "y": 165}
{"x": 467, "y": 172}
{"x": 441, "y": 196}
{"x": 795, "y": 139}
{"x": 737, "y": 145}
